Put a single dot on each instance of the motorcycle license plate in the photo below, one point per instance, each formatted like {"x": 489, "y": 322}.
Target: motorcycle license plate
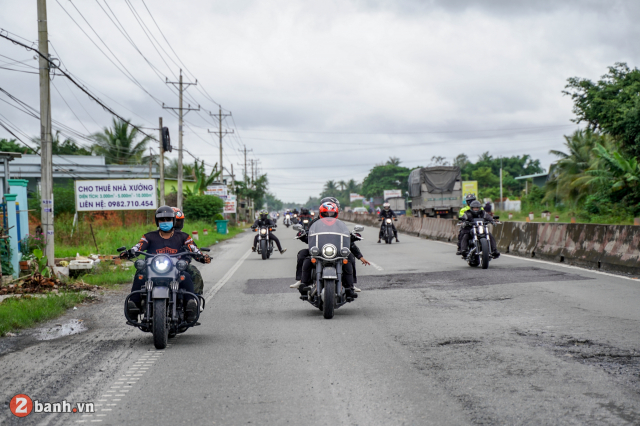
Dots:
{"x": 330, "y": 273}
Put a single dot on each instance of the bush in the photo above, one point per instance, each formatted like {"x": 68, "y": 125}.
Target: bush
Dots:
{"x": 202, "y": 207}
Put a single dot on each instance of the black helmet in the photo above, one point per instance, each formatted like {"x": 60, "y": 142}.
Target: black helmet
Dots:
{"x": 470, "y": 199}
{"x": 476, "y": 207}
{"x": 165, "y": 211}
{"x": 333, "y": 200}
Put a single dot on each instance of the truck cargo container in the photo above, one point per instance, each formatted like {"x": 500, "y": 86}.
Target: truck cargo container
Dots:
{"x": 436, "y": 191}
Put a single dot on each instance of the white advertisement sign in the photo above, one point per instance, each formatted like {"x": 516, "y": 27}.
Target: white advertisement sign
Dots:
{"x": 230, "y": 204}
{"x": 354, "y": 197}
{"x": 218, "y": 190}
{"x": 392, "y": 193}
{"x": 116, "y": 194}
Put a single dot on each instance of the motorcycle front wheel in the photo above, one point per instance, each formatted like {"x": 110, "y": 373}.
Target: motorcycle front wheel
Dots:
{"x": 329, "y": 298}
{"x": 160, "y": 326}
{"x": 484, "y": 257}
{"x": 264, "y": 250}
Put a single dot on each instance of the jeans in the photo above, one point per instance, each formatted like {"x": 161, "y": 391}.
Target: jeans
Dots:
{"x": 271, "y": 237}
{"x": 348, "y": 272}
{"x": 465, "y": 242}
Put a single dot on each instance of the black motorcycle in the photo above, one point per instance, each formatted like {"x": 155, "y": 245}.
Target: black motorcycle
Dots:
{"x": 387, "y": 230}
{"x": 329, "y": 242}
{"x": 162, "y": 310}
{"x": 265, "y": 244}
{"x": 305, "y": 222}
{"x": 294, "y": 218}
{"x": 479, "y": 245}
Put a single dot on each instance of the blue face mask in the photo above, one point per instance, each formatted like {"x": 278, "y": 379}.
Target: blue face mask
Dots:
{"x": 166, "y": 226}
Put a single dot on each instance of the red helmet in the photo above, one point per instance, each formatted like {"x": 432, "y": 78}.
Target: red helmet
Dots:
{"x": 329, "y": 210}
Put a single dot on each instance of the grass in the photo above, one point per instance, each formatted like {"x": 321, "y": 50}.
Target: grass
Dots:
{"x": 23, "y": 312}
{"x": 564, "y": 217}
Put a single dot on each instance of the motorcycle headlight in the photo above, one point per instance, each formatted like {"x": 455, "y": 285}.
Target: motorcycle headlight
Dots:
{"x": 329, "y": 251}
{"x": 305, "y": 221}
{"x": 481, "y": 229}
{"x": 161, "y": 264}
{"x": 140, "y": 264}
{"x": 388, "y": 220}
{"x": 263, "y": 231}
{"x": 344, "y": 252}
{"x": 182, "y": 265}
{"x": 314, "y": 251}
{"x": 295, "y": 215}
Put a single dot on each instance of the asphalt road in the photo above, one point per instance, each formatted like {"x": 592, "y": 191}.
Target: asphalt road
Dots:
{"x": 430, "y": 341}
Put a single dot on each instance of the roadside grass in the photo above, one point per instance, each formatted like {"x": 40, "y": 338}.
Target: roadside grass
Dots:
{"x": 25, "y": 311}
{"x": 564, "y": 217}
{"x": 109, "y": 238}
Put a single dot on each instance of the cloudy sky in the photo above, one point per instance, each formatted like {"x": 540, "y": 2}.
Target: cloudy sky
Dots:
{"x": 325, "y": 90}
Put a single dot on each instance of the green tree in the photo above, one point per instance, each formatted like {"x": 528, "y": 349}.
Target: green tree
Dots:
{"x": 612, "y": 104}
{"x": 273, "y": 203}
{"x": 119, "y": 144}
{"x": 12, "y": 146}
{"x": 202, "y": 207}
{"x": 485, "y": 177}
{"x": 385, "y": 177}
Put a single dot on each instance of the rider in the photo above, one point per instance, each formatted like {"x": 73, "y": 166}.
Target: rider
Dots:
{"x": 468, "y": 200}
{"x": 303, "y": 268}
{"x": 476, "y": 212}
{"x": 264, "y": 220}
{"x": 196, "y": 276}
{"x": 165, "y": 240}
{"x": 387, "y": 213}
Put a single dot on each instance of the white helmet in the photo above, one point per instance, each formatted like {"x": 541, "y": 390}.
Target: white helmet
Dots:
{"x": 386, "y": 206}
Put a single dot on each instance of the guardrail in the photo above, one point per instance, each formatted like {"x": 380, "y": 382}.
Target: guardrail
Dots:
{"x": 614, "y": 248}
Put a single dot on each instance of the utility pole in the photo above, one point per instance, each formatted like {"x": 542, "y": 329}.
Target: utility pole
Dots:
{"x": 46, "y": 177}
{"x": 220, "y": 116}
{"x": 501, "y": 202}
{"x": 150, "y": 159}
{"x": 161, "y": 164}
{"x": 181, "y": 88}
{"x": 245, "y": 160}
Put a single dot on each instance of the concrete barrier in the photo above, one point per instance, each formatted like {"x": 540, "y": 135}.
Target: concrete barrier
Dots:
{"x": 614, "y": 248}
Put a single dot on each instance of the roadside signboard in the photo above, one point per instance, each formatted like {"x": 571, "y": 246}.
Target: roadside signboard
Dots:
{"x": 230, "y": 204}
{"x": 116, "y": 194}
{"x": 354, "y": 197}
{"x": 391, "y": 193}
{"x": 218, "y": 190}
{"x": 469, "y": 187}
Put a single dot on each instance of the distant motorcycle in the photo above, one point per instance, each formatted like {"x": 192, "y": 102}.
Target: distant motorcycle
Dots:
{"x": 265, "y": 244}
{"x": 295, "y": 219}
{"x": 306, "y": 222}
{"x": 387, "y": 230}
{"x": 329, "y": 242}
{"x": 287, "y": 220}
{"x": 162, "y": 309}
{"x": 479, "y": 245}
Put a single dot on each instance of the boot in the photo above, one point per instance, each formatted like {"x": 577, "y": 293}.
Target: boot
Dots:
{"x": 253, "y": 249}
{"x": 495, "y": 254}
{"x": 296, "y": 285}
{"x": 283, "y": 250}
{"x": 191, "y": 310}
{"x": 459, "y": 252}
{"x": 379, "y": 240}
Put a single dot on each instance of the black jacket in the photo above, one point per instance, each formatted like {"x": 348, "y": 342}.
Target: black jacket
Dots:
{"x": 468, "y": 217}
{"x": 259, "y": 222}
{"x": 387, "y": 214}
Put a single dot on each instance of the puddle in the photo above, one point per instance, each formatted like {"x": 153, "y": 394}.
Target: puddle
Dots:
{"x": 73, "y": 326}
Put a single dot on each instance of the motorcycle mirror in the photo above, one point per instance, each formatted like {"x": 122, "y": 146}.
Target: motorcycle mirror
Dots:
{"x": 297, "y": 227}
{"x": 496, "y": 217}
{"x": 358, "y": 228}
{"x": 123, "y": 248}
{"x": 205, "y": 249}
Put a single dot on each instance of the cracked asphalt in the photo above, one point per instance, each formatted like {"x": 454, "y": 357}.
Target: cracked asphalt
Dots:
{"x": 430, "y": 341}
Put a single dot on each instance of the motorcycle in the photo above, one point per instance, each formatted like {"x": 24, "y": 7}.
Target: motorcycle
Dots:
{"x": 162, "y": 310}
{"x": 295, "y": 219}
{"x": 479, "y": 245}
{"x": 287, "y": 220}
{"x": 265, "y": 244}
{"x": 387, "y": 230}
{"x": 306, "y": 222}
{"x": 329, "y": 242}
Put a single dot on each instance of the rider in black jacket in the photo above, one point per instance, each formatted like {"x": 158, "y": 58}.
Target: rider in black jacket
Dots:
{"x": 264, "y": 220}
{"x": 387, "y": 213}
{"x": 476, "y": 212}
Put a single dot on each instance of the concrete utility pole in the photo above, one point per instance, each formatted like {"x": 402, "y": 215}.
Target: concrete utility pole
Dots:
{"x": 150, "y": 162}
{"x": 181, "y": 88}
{"x": 161, "y": 165}
{"x": 46, "y": 177}
{"x": 245, "y": 160}
{"x": 501, "y": 202}
{"x": 220, "y": 116}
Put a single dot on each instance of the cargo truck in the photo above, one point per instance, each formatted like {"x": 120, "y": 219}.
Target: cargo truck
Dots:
{"x": 436, "y": 191}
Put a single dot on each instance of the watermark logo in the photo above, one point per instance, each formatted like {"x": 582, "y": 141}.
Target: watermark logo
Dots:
{"x": 22, "y": 405}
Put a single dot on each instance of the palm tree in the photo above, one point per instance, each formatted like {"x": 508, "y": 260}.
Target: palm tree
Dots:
{"x": 202, "y": 180}
{"x": 171, "y": 170}
{"x": 342, "y": 184}
{"x": 353, "y": 186}
{"x": 393, "y": 161}
{"x": 330, "y": 189}
{"x": 118, "y": 144}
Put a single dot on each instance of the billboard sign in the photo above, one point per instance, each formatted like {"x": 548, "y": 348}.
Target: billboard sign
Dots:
{"x": 354, "y": 197}
{"x": 469, "y": 187}
{"x": 218, "y": 190}
{"x": 392, "y": 193}
{"x": 116, "y": 194}
{"x": 230, "y": 204}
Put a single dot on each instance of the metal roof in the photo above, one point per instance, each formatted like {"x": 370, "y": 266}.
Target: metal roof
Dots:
{"x": 532, "y": 176}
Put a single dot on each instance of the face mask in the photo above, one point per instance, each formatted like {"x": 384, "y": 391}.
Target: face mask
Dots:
{"x": 166, "y": 226}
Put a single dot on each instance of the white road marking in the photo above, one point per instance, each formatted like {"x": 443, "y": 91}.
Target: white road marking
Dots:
{"x": 379, "y": 268}
{"x": 552, "y": 263}
{"x": 227, "y": 277}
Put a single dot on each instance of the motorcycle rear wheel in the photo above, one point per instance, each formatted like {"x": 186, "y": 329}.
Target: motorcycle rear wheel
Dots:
{"x": 329, "y": 298}
{"x": 264, "y": 250}
{"x": 160, "y": 326}
{"x": 485, "y": 255}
